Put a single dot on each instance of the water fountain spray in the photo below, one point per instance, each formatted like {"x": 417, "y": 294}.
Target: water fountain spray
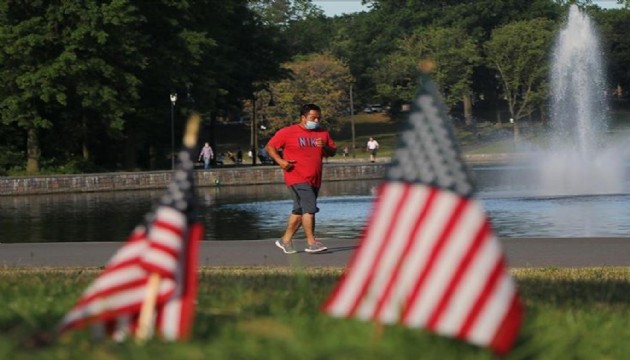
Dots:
{"x": 579, "y": 161}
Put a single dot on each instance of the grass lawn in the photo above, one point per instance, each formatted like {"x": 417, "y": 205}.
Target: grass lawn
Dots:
{"x": 272, "y": 313}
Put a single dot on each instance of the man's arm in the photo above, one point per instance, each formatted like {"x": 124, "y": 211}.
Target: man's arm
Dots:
{"x": 273, "y": 153}
{"x": 329, "y": 151}
{"x": 328, "y": 146}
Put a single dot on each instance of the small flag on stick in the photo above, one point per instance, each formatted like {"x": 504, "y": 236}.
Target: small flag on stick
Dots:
{"x": 151, "y": 281}
{"x": 429, "y": 258}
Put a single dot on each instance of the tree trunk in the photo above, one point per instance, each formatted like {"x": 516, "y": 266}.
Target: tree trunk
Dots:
{"x": 131, "y": 154}
{"x": 212, "y": 128}
{"x": 497, "y": 108}
{"x": 467, "y": 109}
{"x": 468, "y": 114}
{"x": 517, "y": 132}
{"x": 152, "y": 157}
{"x": 33, "y": 151}
{"x": 84, "y": 148}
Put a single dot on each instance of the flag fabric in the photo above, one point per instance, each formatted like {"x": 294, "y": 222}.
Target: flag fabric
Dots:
{"x": 428, "y": 257}
{"x": 166, "y": 244}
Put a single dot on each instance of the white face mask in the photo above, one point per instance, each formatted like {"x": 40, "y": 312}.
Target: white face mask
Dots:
{"x": 312, "y": 125}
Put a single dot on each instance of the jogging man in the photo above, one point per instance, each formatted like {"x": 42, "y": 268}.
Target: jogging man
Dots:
{"x": 303, "y": 147}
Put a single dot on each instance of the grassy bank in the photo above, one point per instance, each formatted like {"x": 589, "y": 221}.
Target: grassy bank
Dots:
{"x": 485, "y": 138}
{"x": 258, "y": 313}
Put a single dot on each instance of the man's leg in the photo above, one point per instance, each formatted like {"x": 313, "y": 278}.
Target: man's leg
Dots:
{"x": 286, "y": 241}
{"x": 293, "y": 224}
{"x": 303, "y": 214}
{"x": 308, "y": 221}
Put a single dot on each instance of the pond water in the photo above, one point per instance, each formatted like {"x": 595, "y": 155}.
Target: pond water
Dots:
{"x": 260, "y": 212}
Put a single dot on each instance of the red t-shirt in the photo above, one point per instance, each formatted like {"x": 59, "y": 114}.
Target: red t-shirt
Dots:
{"x": 298, "y": 144}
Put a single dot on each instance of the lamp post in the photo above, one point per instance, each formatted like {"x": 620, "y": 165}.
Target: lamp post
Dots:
{"x": 173, "y": 100}
{"x": 253, "y": 139}
{"x": 352, "y": 119}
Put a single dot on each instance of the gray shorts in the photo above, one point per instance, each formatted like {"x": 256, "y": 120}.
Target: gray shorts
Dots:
{"x": 304, "y": 198}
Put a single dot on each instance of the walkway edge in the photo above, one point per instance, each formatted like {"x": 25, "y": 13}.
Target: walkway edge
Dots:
{"x": 521, "y": 252}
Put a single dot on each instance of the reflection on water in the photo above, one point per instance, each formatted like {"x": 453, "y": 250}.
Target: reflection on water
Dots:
{"x": 260, "y": 211}
{"x": 339, "y": 217}
{"x": 587, "y": 216}
{"x": 228, "y": 213}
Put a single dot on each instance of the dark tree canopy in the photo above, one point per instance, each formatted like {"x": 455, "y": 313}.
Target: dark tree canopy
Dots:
{"x": 86, "y": 84}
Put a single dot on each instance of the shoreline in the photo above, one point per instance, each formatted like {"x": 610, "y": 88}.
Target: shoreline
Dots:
{"x": 334, "y": 170}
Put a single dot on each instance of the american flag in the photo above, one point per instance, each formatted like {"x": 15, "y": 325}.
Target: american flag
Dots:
{"x": 165, "y": 244}
{"x": 429, "y": 258}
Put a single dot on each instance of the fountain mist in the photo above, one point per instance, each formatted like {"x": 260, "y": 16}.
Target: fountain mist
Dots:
{"x": 579, "y": 162}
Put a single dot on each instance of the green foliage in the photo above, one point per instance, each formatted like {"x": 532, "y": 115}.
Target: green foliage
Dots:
{"x": 451, "y": 49}
{"x": 272, "y": 313}
{"x": 316, "y": 78}
{"x": 91, "y": 79}
{"x": 285, "y": 12}
{"x": 53, "y": 166}
{"x": 615, "y": 25}
{"x": 519, "y": 52}
{"x": 68, "y": 65}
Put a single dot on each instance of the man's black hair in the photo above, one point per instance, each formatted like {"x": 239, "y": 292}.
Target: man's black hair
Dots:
{"x": 306, "y": 108}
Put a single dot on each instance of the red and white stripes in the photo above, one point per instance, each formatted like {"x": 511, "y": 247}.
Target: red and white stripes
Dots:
{"x": 112, "y": 302}
{"x": 429, "y": 259}
{"x": 165, "y": 239}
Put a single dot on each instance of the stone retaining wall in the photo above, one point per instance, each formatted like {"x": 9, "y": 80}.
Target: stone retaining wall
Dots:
{"x": 159, "y": 179}
{"x": 226, "y": 176}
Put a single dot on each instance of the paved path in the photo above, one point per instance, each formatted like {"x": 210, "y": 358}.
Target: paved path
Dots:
{"x": 521, "y": 252}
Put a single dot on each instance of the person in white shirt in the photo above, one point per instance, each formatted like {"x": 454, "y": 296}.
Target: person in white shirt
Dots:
{"x": 372, "y": 147}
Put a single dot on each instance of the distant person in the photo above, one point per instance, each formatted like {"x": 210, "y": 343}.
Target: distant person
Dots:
{"x": 261, "y": 149}
{"x": 219, "y": 159}
{"x": 304, "y": 145}
{"x": 372, "y": 148}
{"x": 239, "y": 156}
{"x": 263, "y": 156}
{"x": 231, "y": 156}
{"x": 346, "y": 151}
{"x": 207, "y": 155}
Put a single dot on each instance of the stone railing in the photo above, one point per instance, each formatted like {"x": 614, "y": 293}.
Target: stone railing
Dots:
{"x": 242, "y": 175}
{"x": 159, "y": 179}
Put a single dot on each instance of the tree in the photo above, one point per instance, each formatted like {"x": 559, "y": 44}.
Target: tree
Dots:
{"x": 365, "y": 39}
{"x": 92, "y": 79}
{"x": 615, "y": 26}
{"x": 362, "y": 40}
{"x": 284, "y": 12}
{"x": 454, "y": 53}
{"x": 519, "y": 52}
{"x": 316, "y": 78}
{"x": 64, "y": 67}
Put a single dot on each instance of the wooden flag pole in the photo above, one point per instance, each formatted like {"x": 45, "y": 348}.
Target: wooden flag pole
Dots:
{"x": 147, "y": 311}
{"x": 192, "y": 130}
{"x": 379, "y": 330}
